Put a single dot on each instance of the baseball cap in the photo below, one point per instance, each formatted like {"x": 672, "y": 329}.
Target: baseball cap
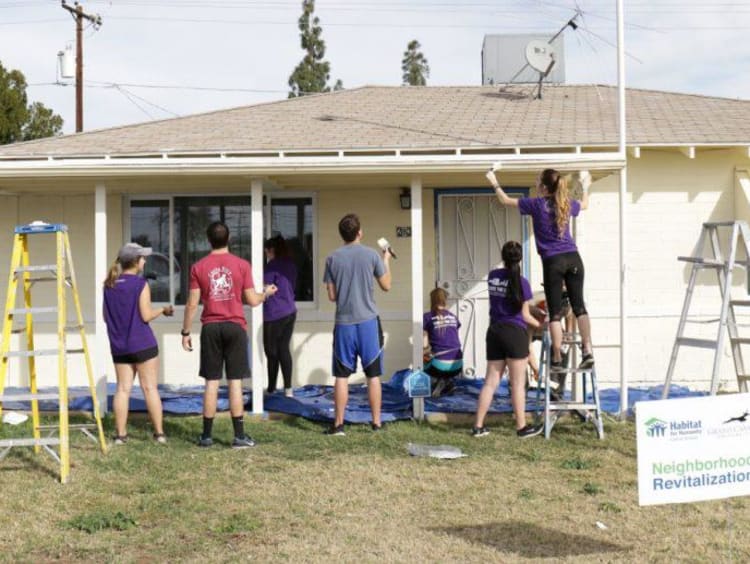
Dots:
{"x": 131, "y": 251}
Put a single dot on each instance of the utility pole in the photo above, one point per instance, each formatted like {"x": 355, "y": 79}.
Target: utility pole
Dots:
{"x": 79, "y": 15}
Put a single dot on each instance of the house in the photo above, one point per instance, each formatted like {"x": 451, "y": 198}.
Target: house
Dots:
{"x": 296, "y": 166}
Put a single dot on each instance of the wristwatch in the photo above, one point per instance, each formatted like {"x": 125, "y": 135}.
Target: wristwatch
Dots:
{"x": 184, "y": 333}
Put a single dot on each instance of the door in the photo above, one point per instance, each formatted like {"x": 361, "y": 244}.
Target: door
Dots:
{"x": 472, "y": 229}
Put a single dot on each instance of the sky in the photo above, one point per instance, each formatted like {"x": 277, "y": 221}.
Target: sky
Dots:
{"x": 239, "y": 52}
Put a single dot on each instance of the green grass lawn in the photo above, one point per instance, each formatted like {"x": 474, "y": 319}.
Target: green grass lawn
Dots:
{"x": 302, "y": 496}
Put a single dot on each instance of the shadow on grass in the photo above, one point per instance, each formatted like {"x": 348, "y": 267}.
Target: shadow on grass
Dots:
{"x": 22, "y": 458}
{"x": 530, "y": 540}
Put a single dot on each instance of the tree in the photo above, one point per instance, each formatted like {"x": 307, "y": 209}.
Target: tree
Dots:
{"x": 312, "y": 73}
{"x": 414, "y": 65}
{"x": 20, "y": 121}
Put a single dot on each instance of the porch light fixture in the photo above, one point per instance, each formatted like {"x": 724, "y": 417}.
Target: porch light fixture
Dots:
{"x": 405, "y": 198}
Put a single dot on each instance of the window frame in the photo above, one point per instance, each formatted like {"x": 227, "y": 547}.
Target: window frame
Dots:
{"x": 268, "y": 197}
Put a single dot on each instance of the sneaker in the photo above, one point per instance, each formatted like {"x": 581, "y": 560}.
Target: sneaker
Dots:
{"x": 336, "y": 430}
{"x": 205, "y": 441}
{"x": 245, "y": 441}
{"x": 556, "y": 366}
{"x": 479, "y": 431}
{"x": 529, "y": 431}
{"x": 376, "y": 428}
{"x": 120, "y": 439}
{"x": 587, "y": 361}
{"x": 160, "y": 438}
{"x": 289, "y": 392}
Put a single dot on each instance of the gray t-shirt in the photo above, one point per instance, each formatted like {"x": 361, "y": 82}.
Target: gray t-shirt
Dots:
{"x": 353, "y": 269}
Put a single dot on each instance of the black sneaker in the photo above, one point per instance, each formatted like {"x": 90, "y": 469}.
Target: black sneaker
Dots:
{"x": 120, "y": 439}
{"x": 376, "y": 428}
{"x": 245, "y": 441}
{"x": 556, "y": 366}
{"x": 587, "y": 361}
{"x": 479, "y": 431}
{"x": 336, "y": 430}
{"x": 205, "y": 441}
{"x": 529, "y": 431}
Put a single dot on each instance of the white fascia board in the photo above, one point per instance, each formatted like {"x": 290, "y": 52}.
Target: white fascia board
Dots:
{"x": 262, "y": 166}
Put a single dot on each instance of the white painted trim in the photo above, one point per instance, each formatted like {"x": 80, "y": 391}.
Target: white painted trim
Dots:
{"x": 635, "y": 152}
{"x": 417, "y": 284}
{"x": 101, "y": 265}
{"x": 688, "y": 151}
{"x": 256, "y": 326}
{"x": 233, "y": 166}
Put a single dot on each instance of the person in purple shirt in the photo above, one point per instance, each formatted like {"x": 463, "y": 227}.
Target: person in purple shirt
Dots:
{"x": 127, "y": 313}
{"x": 550, "y": 214}
{"x": 507, "y": 341}
{"x": 279, "y": 312}
{"x": 442, "y": 346}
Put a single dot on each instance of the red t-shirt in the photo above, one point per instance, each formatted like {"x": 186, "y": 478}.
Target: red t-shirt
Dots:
{"x": 222, "y": 278}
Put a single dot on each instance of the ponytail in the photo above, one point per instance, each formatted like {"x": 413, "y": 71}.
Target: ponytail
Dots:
{"x": 114, "y": 273}
{"x": 512, "y": 253}
{"x": 557, "y": 188}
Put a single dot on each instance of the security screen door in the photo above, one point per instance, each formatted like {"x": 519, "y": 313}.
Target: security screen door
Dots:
{"x": 472, "y": 229}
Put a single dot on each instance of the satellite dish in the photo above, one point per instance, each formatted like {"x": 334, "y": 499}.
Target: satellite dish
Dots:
{"x": 540, "y": 56}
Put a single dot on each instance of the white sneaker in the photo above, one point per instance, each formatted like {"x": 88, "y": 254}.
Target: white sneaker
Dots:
{"x": 289, "y": 392}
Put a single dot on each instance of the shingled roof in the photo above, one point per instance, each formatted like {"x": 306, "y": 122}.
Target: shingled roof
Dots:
{"x": 374, "y": 117}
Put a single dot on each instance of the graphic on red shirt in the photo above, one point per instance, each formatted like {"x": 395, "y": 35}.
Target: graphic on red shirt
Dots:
{"x": 221, "y": 284}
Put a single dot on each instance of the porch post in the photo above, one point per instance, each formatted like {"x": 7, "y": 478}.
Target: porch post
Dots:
{"x": 256, "y": 325}
{"x": 417, "y": 285}
{"x": 623, "y": 202}
{"x": 101, "y": 359}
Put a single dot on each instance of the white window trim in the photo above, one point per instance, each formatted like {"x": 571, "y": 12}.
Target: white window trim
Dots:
{"x": 170, "y": 197}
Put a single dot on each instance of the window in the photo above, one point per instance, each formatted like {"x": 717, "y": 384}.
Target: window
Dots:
{"x": 175, "y": 227}
{"x": 292, "y": 219}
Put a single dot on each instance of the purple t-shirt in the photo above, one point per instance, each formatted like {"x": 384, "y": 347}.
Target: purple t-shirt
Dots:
{"x": 442, "y": 332}
{"x": 548, "y": 240}
{"x": 127, "y": 331}
{"x": 502, "y": 306}
{"x": 283, "y": 273}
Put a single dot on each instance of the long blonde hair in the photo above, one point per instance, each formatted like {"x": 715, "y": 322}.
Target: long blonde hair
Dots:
{"x": 557, "y": 188}
{"x": 116, "y": 270}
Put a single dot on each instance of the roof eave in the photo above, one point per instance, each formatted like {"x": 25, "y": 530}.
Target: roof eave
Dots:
{"x": 263, "y": 166}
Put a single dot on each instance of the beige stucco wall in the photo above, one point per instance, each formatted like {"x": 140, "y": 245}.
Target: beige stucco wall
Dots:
{"x": 669, "y": 197}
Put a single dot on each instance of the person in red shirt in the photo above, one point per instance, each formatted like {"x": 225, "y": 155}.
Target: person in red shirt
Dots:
{"x": 220, "y": 281}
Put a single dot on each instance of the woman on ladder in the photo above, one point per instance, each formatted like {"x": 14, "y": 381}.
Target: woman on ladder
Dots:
{"x": 550, "y": 214}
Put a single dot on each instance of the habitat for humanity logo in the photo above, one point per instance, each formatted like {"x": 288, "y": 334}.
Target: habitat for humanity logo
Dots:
{"x": 674, "y": 429}
{"x": 655, "y": 427}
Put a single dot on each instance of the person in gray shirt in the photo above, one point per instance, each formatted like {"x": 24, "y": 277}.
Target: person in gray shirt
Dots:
{"x": 350, "y": 275}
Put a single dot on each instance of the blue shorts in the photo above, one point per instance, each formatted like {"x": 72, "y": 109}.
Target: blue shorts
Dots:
{"x": 363, "y": 340}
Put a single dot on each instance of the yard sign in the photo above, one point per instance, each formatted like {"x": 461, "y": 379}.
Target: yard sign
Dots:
{"x": 693, "y": 449}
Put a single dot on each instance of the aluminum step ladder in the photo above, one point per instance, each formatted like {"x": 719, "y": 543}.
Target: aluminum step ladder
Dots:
{"x": 585, "y": 405}
{"x": 724, "y": 268}
{"x": 62, "y": 274}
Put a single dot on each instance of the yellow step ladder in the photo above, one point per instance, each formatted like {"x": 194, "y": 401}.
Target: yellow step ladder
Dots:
{"x": 62, "y": 274}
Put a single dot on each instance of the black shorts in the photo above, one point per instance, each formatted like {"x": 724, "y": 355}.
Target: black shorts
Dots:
{"x": 224, "y": 345}
{"x": 506, "y": 340}
{"x": 136, "y": 357}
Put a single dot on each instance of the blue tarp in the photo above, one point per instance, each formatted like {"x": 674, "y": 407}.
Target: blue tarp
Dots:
{"x": 316, "y": 402}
